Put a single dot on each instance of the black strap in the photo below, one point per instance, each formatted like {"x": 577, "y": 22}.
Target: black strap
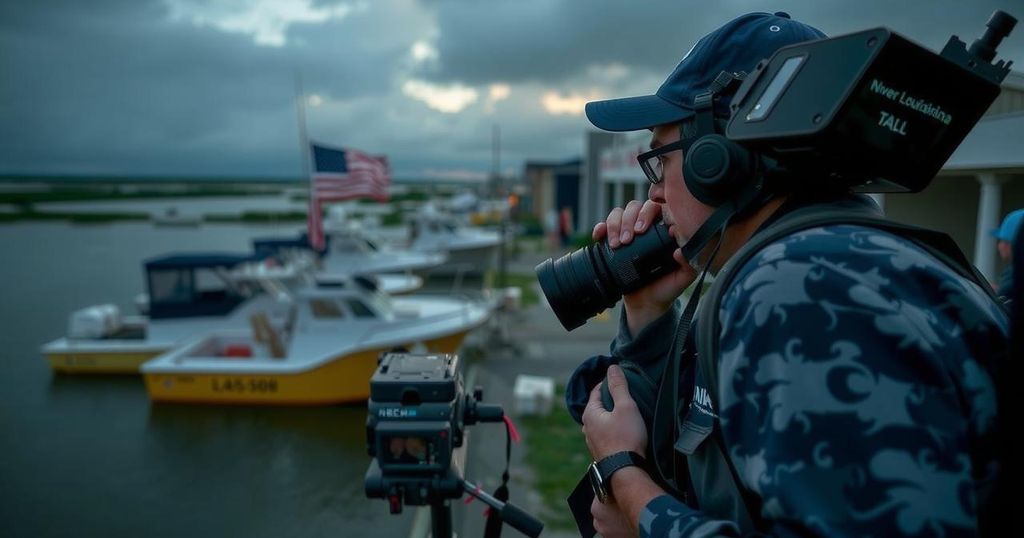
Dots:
{"x": 704, "y": 103}
{"x": 493, "y": 527}
{"x": 935, "y": 243}
{"x": 665, "y": 407}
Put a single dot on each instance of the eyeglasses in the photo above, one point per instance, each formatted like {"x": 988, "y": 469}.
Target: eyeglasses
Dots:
{"x": 652, "y": 162}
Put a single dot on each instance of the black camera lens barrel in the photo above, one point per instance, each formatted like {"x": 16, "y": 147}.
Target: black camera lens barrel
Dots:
{"x": 583, "y": 283}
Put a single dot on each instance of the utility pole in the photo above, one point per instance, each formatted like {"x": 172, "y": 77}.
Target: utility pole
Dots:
{"x": 500, "y": 183}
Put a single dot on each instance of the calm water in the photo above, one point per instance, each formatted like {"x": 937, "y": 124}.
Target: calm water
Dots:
{"x": 90, "y": 456}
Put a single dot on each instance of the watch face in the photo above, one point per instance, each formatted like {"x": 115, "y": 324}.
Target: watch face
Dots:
{"x": 597, "y": 483}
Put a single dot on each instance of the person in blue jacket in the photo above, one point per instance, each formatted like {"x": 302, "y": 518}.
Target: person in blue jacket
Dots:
{"x": 854, "y": 397}
{"x": 1004, "y": 235}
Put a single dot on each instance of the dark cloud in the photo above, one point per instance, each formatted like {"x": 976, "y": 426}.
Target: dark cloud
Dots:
{"x": 552, "y": 41}
{"x": 120, "y": 86}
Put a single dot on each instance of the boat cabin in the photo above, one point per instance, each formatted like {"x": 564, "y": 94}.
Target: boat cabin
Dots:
{"x": 194, "y": 285}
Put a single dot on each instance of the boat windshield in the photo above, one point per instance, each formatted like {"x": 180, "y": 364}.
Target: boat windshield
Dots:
{"x": 379, "y": 303}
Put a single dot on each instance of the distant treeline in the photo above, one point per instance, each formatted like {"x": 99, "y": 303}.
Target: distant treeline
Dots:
{"x": 70, "y": 216}
{"x": 92, "y": 193}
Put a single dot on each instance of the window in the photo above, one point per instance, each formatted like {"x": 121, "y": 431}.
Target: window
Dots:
{"x": 359, "y": 309}
{"x": 207, "y": 280}
{"x": 170, "y": 286}
{"x": 325, "y": 309}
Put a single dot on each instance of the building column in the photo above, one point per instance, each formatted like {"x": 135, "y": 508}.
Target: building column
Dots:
{"x": 642, "y": 188}
{"x": 988, "y": 219}
{"x": 619, "y": 202}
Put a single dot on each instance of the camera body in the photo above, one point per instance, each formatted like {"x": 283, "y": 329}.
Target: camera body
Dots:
{"x": 416, "y": 417}
{"x": 871, "y": 109}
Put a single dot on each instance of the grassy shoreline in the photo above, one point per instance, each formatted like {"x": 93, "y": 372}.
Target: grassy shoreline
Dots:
{"x": 557, "y": 456}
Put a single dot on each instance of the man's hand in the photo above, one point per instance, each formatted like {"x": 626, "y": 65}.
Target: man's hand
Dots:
{"x": 608, "y": 432}
{"x": 609, "y": 521}
{"x": 646, "y": 304}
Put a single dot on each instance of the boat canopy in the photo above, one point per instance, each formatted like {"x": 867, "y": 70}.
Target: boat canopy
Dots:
{"x": 199, "y": 260}
{"x": 193, "y": 285}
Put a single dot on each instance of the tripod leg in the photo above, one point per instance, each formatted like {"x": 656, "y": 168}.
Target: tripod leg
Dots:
{"x": 441, "y": 518}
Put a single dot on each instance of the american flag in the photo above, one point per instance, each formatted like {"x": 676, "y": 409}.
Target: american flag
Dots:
{"x": 343, "y": 174}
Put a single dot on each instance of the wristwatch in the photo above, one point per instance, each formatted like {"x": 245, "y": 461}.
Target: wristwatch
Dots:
{"x": 600, "y": 472}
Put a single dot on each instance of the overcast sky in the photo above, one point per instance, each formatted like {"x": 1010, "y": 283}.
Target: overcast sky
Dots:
{"x": 201, "y": 88}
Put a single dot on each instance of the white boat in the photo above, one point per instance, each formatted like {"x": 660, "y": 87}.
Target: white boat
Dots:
{"x": 296, "y": 252}
{"x": 325, "y": 353}
{"x": 350, "y": 252}
{"x": 188, "y": 294}
{"x": 470, "y": 250}
{"x": 172, "y": 217}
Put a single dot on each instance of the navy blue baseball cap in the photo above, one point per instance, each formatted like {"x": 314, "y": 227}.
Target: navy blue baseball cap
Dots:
{"x": 737, "y": 46}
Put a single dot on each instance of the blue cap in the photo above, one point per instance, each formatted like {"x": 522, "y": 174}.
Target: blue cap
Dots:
{"x": 1010, "y": 226}
{"x": 737, "y": 46}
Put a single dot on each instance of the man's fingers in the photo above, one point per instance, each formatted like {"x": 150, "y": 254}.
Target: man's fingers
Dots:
{"x": 614, "y": 222}
{"x": 599, "y": 231}
{"x": 618, "y": 386}
{"x": 649, "y": 213}
{"x": 594, "y": 404}
{"x": 629, "y": 215}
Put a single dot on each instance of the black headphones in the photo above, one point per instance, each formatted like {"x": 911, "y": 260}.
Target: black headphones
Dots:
{"x": 715, "y": 168}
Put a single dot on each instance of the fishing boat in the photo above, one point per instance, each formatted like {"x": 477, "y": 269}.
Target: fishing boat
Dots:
{"x": 296, "y": 252}
{"x": 470, "y": 250}
{"x": 325, "y": 353}
{"x": 187, "y": 293}
{"x": 351, "y": 252}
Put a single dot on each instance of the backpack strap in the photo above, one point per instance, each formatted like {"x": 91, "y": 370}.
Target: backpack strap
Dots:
{"x": 935, "y": 243}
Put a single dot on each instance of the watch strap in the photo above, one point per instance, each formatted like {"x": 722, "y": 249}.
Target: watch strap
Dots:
{"x": 610, "y": 464}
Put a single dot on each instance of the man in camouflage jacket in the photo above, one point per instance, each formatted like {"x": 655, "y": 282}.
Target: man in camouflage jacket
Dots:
{"x": 854, "y": 394}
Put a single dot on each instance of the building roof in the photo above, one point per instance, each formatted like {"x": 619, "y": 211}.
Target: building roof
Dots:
{"x": 1014, "y": 80}
{"x": 996, "y": 143}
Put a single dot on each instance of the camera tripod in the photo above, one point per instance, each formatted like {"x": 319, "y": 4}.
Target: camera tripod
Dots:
{"x": 441, "y": 514}
{"x": 437, "y": 492}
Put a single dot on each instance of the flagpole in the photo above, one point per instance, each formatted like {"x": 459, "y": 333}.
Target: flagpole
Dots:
{"x": 304, "y": 152}
{"x": 300, "y": 112}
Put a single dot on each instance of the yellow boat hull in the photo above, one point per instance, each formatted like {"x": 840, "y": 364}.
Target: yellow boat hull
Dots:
{"x": 99, "y": 362}
{"x": 344, "y": 379}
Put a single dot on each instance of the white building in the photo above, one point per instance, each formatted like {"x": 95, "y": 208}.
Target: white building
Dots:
{"x": 981, "y": 182}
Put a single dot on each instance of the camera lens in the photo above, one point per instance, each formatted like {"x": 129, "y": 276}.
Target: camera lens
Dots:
{"x": 583, "y": 283}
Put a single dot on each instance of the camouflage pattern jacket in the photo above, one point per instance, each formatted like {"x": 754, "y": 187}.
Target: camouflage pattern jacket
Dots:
{"x": 855, "y": 394}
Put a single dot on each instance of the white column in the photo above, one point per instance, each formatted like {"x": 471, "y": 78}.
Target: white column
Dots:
{"x": 619, "y": 202}
{"x": 988, "y": 218}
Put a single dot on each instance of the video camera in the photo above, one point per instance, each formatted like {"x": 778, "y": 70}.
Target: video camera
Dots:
{"x": 870, "y": 109}
{"x": 417, "y": 416}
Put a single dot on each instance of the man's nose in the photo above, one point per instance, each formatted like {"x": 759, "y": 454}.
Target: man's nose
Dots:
{"x": 656, "y": 193}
